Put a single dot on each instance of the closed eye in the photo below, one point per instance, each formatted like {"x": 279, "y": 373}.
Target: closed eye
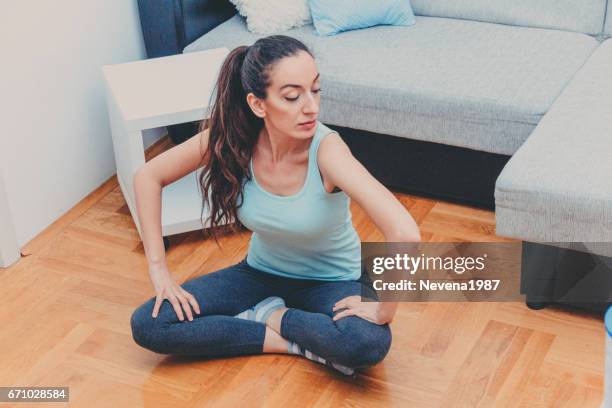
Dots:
{"x": 315, "y": 91}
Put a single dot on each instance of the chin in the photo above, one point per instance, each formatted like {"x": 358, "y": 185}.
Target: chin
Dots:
{"x": 305, "y": 134}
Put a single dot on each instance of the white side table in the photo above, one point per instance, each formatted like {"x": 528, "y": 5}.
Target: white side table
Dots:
{"x": 154, "y": 93}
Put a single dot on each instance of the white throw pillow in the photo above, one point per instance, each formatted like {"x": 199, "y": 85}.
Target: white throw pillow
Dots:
{"x": 273, "y": 16}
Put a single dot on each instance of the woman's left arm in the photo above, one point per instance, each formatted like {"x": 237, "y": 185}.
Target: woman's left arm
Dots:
{"x": 338, "y": 165}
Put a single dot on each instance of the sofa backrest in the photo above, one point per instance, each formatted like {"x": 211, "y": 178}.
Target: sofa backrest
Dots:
{"x": 608, "y": 27}
{"x": 584, "y": 16}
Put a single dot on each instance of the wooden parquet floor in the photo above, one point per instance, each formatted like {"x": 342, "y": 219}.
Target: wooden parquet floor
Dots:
{"x": 66, "y": 307}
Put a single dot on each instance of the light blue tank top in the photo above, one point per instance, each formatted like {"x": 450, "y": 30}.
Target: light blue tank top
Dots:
{"x": 308, "y": 235}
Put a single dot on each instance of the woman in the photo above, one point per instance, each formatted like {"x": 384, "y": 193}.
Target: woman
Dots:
{"x": 273, "y": 168}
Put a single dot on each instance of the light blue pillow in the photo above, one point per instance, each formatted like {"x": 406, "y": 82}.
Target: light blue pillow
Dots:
{"x": 333, "y": 16}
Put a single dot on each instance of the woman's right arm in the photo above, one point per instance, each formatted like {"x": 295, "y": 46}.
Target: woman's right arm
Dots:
{"x": 149, "y": 180}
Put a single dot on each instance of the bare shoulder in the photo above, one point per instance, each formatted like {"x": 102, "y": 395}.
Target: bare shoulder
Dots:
{"x": 332, "y": 149}
{"x": 180, "y": 160}
{"x": 333, "y": 157}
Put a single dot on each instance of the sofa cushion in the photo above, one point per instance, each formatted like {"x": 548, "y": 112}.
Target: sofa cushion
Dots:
{"x": 558, "y": 185}
{"x": 463, "y": 83}
{"x": 584, "y": 16}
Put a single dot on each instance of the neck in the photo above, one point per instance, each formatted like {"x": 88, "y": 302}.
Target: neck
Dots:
{"x": 281, "y": 146}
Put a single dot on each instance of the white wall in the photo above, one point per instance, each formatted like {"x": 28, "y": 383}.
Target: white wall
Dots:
{"x": 55, "y": 142}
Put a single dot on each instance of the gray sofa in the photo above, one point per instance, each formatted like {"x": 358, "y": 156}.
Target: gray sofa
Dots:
{"x": 558, "y": 185}
{"x": 494, "y": 103}
{"x": 446, "y": 80}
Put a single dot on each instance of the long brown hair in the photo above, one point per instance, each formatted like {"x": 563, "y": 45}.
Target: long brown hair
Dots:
{"x": 234, "y": 127}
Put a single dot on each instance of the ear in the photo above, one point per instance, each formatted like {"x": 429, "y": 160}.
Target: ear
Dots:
{"x": 257, "y": 105}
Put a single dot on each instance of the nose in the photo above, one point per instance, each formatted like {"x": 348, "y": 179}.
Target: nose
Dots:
{"x": 311, "y": 106}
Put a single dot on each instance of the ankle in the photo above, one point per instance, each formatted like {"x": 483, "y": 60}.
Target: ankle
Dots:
{"x": 275, "y": 318}
{"x": 274, "y": 342}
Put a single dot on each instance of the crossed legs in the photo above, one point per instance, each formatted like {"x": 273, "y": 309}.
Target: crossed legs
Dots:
{"x": 307, "y": 321}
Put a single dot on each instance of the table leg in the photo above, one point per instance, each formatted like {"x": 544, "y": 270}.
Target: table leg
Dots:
{"x": 128, "y": 161}
{"x": 129, "y": 154}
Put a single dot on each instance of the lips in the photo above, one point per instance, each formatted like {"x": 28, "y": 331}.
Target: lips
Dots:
{"x": 307, "y": 123}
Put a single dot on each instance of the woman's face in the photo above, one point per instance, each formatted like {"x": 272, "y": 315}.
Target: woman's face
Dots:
{"x": 292, "y": 97}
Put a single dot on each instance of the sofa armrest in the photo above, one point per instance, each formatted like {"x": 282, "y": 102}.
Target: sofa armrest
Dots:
{"x": 168, "y": 26}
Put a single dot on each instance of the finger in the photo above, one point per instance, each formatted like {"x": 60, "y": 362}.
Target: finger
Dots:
{"x": 177, "y": 307}
{"x": 344, "y": 313}
{"x": 340, "y": 304}
{"x": 181, "y": 297}
{"x": 192, "y": 300}
{"x": 345, "y": 302}
{"x": 158, "y": 303}
{"x": 353, "y": 300}
{"x": 341, "y": 300}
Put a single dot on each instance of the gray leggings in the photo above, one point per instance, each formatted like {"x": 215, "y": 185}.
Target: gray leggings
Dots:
{"x": 351, "y": 341}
